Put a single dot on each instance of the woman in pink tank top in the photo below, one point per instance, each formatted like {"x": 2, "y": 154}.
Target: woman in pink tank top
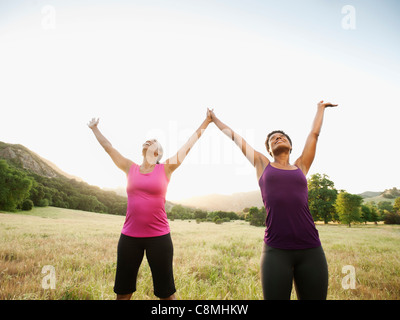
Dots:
{"x": 146, "y": 228}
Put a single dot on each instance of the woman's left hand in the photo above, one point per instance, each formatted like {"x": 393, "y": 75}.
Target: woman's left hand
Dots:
{"x": 324, "y": 105}
{"x": 209, "y": 115}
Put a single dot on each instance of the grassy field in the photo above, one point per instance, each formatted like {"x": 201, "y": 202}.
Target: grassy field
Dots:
{"x": 210, "y": 261}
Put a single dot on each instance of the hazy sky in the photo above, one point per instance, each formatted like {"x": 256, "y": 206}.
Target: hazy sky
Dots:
{"x": 149, "y": 69}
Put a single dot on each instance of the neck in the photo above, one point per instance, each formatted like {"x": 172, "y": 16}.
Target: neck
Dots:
{"x": 148, "y": 163}
{"x": 282, "y": 159}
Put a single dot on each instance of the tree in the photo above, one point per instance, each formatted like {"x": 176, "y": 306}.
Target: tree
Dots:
{"x": 348, "y": 207}
{"x": 384, "y": 207}
{"x": 223, "y": 215}
{"x": 200, "y": 214}
{"x": 391, "y": 217}
{"x": 374, "y": 215}
{"x": 14, "y": 187}
{"x": 37, "y": 193}
{"x": 257, "y": 216}
{"x": 366, "y": 214}
{"x": 180, "y": 212}
{"x": 396, "y": 205}
{"x": 118, "y": 207}
{"x": 321, "y": 197}
{"x": 27, "y": 205}
{"x": 391, "y": 193}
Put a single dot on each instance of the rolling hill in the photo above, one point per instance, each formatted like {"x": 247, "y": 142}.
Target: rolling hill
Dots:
{"x": 235, "y": 202}
{"x": 21, "y": 157}
{"x": 69, "y": 187}
{"x": 238, "y": 201}
{"x": 387, "y": 195}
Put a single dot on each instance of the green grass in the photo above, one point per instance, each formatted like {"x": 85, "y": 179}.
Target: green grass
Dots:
{"x": 210, "y": 261}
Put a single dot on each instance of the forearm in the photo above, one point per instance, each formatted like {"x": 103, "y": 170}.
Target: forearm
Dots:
{"x": 201, "y": 129}
{"x": 182, "y": 153}
{"x": 224, "y": 128}
{"x": 196, "y": 136}
{"x": 318, "y": 120}
{"x": 246, "y": 149}
{"x": 101, "y": 139}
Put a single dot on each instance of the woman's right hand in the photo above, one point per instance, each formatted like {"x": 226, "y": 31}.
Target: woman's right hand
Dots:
{"x": 211, "y": 114}
{"x": 93, "y": 123}
{"x": 324, "y": 105}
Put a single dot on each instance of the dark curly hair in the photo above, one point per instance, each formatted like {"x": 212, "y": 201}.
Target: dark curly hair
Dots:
{"x": 269, "y": 136}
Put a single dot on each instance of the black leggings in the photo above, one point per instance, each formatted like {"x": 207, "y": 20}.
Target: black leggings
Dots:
{"x": 307, "y": 267}
{"x": 159, "y": 253}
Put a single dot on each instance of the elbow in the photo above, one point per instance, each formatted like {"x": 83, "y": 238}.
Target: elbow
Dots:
{"x": 315, "y": 134}
{"x": 108, "y": 148}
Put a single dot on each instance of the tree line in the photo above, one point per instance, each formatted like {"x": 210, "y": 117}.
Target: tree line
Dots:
{"x": 329, "y": 204}
{"x": 185, "y": 213}
{"x": 255, "y": 216}
{"x": 22, "y": 190}
{"x": 326, "y": 204}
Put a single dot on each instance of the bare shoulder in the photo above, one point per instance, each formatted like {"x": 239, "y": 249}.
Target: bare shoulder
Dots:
{"x": 262, "y": 158}
{"x": 299, "y": 164}
{"x": 168, "y": 169}
{"x": 127, "y": 166}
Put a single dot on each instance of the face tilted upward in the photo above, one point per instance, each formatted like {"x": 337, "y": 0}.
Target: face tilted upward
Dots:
{"x": 278, "y": 141}
{"x": 154, "y": 146}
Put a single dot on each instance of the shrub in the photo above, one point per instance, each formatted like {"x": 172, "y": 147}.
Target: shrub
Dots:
{"x": 43, "y": 203}
{"x": 27, "y": 205}
{"x": 391, "y": 217}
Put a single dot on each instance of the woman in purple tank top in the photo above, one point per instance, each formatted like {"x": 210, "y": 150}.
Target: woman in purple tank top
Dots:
{"x": 292, "y": 249}
{"x": 146, "y": 228}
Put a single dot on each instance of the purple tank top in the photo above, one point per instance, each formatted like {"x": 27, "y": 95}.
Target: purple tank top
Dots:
{"x": 289, "y": 224}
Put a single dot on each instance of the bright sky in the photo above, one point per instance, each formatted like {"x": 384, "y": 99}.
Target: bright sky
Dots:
{"x": 150, "y": 68}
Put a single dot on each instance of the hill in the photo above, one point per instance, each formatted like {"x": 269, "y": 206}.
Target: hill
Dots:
{"x": 387, "y": 195}
{"x": 66, "y": 191}
{"x": 53, "y": 186}
{"x": 46, "y": 184}
{"x": 370, "y": 194}
{"x": 238, "y": 201}
{"x": 23, "y": 158}
{"x": 235, "y": 202}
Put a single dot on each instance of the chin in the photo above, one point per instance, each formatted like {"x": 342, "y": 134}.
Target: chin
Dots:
{"x": 281, "y": 149}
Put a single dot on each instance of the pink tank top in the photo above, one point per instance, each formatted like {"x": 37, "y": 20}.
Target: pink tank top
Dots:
{"x": 145, "y": 215}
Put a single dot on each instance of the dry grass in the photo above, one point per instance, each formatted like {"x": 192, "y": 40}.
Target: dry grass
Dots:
{"x": 210, "y": 261}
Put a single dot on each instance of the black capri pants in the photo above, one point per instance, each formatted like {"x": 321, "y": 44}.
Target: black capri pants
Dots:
{"x": 159, "y": 253}
{"x": 307, "y": 267}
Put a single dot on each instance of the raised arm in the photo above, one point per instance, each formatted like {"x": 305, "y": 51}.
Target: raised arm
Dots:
{"x": 307, "y": 157}
{"x": 257, "y": 159}
{"x": 174, "y": 162}
{"x": 123, "y": 163}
